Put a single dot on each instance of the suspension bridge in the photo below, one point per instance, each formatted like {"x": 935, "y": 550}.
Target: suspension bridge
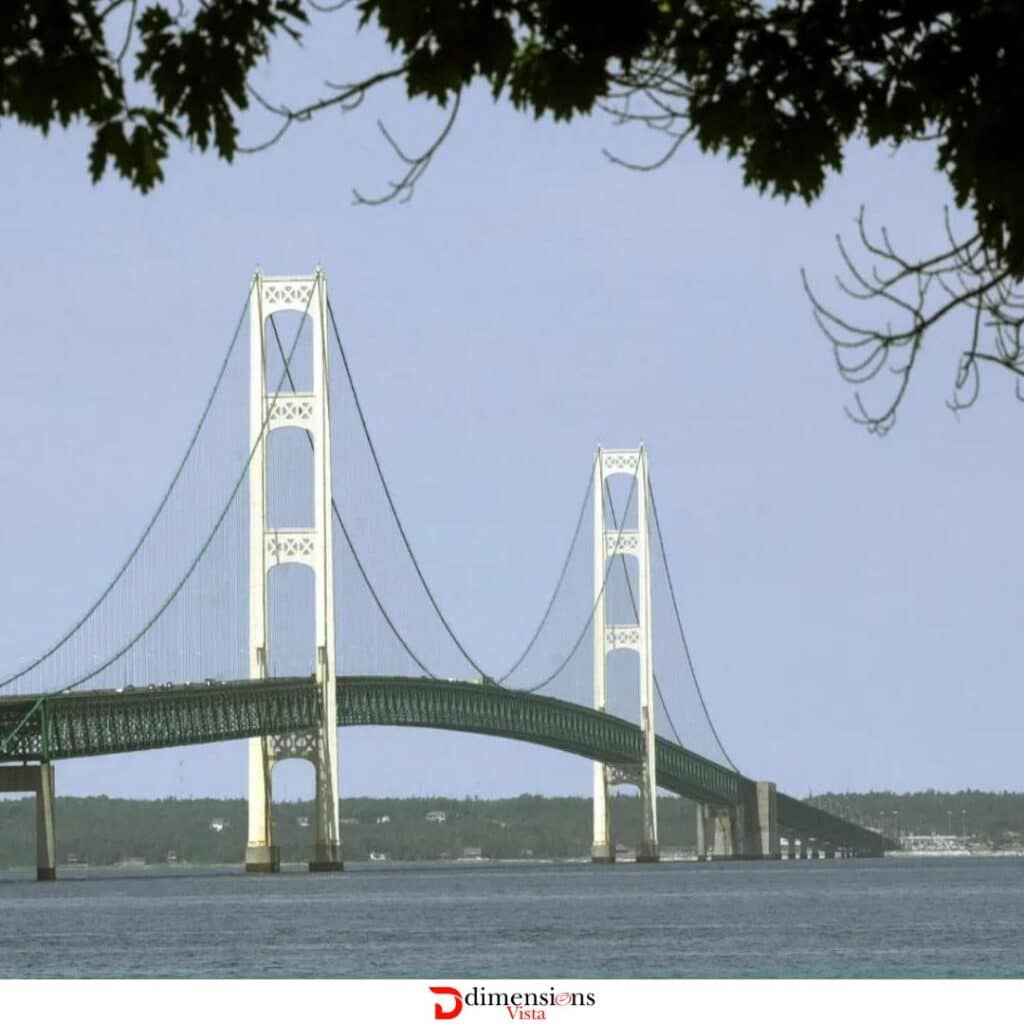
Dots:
{"x": 277, "y": 556}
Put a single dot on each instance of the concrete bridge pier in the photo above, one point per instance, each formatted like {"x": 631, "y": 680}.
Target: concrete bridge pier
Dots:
{"x": 647, "y": 852}
{"x": 704, "y": 832}
{"x": 602, "y": 851}
{"x": 261, "y": 855}
{"x": 38, "y": 779}
{"x": 750, "y": 829}
{"x": 761, "y": 834}
{"x": 46, "y": 831}
{"x": 724, "y": 821}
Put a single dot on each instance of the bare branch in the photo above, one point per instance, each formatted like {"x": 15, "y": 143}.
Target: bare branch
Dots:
{"x": 346, "y": 98}
{"x": 670, "y": 152}
{"x": 964, "y": 276}
{"x": 128, "y": 33}
{"x": 403, "y": 188}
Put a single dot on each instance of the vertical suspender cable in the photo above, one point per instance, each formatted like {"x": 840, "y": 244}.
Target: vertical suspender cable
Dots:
{"x": 391, "y": 504}
{"x": 558, "y": 586}
{"x": 600, "y": 597}
{"x": 348, "y": 539}
{"x": 682, "y": 633}
{"x": 152, "y": 522}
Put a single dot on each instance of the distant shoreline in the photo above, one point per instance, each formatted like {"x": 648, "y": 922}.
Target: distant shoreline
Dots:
{"x": 299, "y": 866}
{"x": 422, "y": 830}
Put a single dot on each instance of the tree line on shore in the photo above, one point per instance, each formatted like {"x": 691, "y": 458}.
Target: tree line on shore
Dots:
{"x": 101, "y": 830}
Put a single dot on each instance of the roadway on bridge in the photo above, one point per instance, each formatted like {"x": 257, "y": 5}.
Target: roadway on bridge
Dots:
{"x": 83, "y": 724}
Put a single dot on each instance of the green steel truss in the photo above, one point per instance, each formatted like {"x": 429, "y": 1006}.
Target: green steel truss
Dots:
{"x": 479, "y": 708}
{"x": 82, "y": 724}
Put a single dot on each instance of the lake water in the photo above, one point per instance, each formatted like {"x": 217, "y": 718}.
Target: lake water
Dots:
{"x": 897, "y": 917}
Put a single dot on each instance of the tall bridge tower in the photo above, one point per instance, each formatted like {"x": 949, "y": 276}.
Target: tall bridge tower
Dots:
{"x": 270, "y": 410}
{"x": 635, "y": 636}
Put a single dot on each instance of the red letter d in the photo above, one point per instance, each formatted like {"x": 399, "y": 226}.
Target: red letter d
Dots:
{"x": 439, "y": 1012}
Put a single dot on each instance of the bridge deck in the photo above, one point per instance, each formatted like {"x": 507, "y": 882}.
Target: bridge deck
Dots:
{"x": 83, "y": 724}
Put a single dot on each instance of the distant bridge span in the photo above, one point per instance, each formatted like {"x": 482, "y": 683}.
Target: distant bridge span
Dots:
{"x": 85, "y": 724}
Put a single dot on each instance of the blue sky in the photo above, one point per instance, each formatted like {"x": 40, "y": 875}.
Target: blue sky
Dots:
{"x": 852, "y": 603}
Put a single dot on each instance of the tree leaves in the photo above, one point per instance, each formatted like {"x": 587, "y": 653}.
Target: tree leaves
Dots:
{"x": 198, "y": 70}
{"x": 780, "y": 86}
{"x": 57, "y": 64}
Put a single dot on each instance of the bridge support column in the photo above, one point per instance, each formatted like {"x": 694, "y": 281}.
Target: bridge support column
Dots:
{"x": 703, "y": 831}
{"x": 327, "y": 850}
{"x": 38, "y": 779}
{"x": 276, "y": 403}
{"x": 760, "y": 823}
{"x": 647, "y": 852}
{"x": 723, "y": 831}
{"x": 611, "y": 545}
{"x": 754, "y": 823}
{"x": 603, "y": 849}
{"x": 46, "y": 833}
{"x": 261, "y": 855}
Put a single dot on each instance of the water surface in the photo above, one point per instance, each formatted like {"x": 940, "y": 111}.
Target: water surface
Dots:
{"x": 902, "y": 918}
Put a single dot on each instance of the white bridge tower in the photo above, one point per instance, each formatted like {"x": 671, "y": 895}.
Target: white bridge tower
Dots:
{"x": 635, "y": 636}
{"x": 268, "y": 548}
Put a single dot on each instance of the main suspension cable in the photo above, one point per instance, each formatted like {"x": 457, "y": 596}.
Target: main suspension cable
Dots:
{"x": 387, "y": 494}
{"x": 149, "y": 526}
{"x": 682, "y": 632}
{"x": 558, "y": 586}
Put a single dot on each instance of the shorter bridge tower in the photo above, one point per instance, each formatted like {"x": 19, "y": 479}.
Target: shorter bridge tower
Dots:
{"x": 309, "y": 411}
{"x": 635, "y": 636}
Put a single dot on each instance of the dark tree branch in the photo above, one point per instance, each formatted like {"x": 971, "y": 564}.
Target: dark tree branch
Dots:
{"x": 964, "y": 277}
{"x": 347, "y": 97}
{"x": 415, "y": 166}
{"x": 128, "y": 33}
